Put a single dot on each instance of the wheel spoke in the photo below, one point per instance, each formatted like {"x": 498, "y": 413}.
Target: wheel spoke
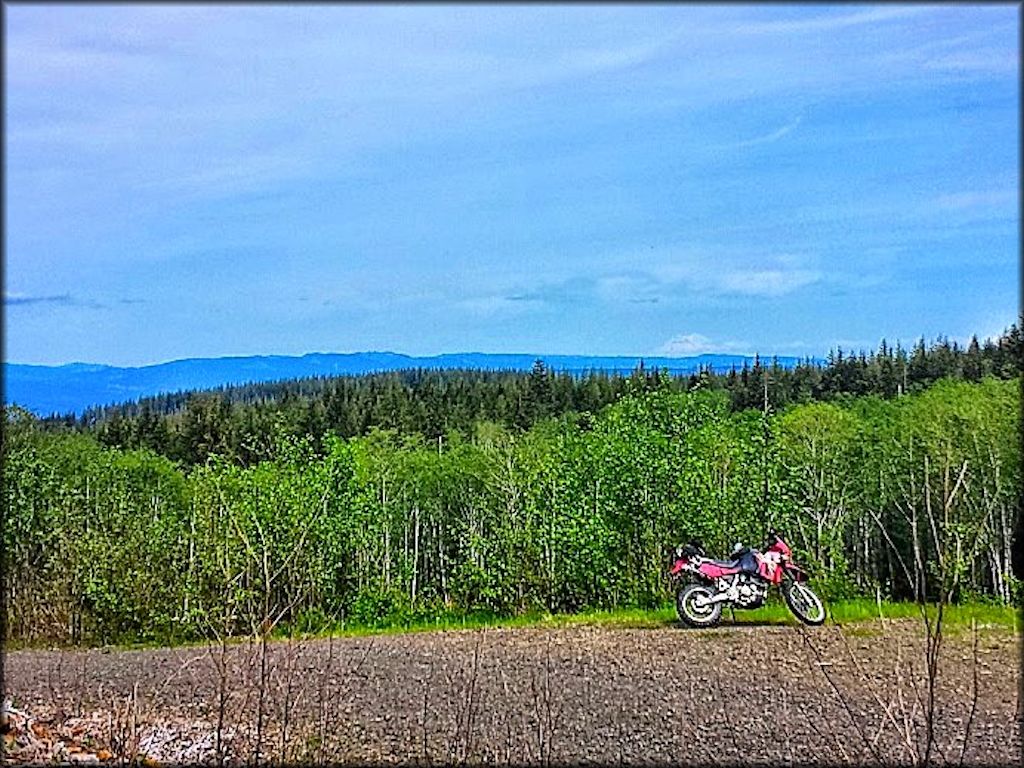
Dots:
{"x": 805, "y": 603}
{"x": 811, "y": 606}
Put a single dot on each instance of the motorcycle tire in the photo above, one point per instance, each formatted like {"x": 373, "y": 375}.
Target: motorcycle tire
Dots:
{"x": 692, "y": 615}
{"x": 804, "y": 603}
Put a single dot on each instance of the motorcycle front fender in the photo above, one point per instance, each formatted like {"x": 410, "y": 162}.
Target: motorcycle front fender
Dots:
{"x": 796, "y": 573}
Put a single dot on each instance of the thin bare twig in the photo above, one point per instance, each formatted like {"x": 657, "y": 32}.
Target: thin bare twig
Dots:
{"x": 974, "y": 690}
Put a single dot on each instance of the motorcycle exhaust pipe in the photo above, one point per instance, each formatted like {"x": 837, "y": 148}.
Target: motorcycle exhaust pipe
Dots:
{"x": 721, "y": 597}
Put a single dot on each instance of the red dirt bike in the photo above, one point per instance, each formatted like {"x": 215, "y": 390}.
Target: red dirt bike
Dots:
{"x": 741, "y": 582}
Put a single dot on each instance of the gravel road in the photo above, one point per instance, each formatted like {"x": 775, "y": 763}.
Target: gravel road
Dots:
{"x": 582, "y": 694}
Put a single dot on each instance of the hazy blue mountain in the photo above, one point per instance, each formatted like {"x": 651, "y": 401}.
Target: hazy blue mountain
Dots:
{"x": 74, "y": 387}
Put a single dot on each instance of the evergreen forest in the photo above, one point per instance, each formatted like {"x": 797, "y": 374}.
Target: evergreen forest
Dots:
{"x": 391, "y": 498}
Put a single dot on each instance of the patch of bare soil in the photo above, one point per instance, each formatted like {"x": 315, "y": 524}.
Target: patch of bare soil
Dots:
{"x": 760, "y": 694}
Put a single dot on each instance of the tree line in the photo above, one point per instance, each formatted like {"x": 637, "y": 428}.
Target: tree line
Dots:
{"x": 578, "y": 510}
{"x": 235, "y": 421}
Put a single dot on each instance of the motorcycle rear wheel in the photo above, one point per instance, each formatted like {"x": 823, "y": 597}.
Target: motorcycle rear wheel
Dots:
{"x": 804, "y": 603}
{"x": 693, "y": 615}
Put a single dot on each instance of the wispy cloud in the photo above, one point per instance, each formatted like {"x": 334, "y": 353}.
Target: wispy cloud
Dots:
{"x": 969, "y": 62}
{"x": 985, "y": 198}
{"x": 87, "y": 45}
{"x": 828, "y": 22}
{"x": 56, "y": 300}
{"x": 260, "y": 171}
{"x": 768, "y": 138}
{"x": 24, "y": 300}
{"x": 656, "y": 289}
{"x": 586, "y": 61}
{"x": 723, "y": 273}
{"x": 707, "y": 275}
{"x": 633, "y": 287}
{"x": 767, "y": 282}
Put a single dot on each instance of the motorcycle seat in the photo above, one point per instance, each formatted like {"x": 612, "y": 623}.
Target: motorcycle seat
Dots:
{"x": 727, "y": 563}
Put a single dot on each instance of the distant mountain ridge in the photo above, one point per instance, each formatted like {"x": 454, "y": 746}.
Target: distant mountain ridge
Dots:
{"x": 72, "y": 388}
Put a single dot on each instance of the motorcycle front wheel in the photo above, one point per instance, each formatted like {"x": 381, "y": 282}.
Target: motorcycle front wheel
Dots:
{"x": 804, "y": 603}
{"x": 694, "y": 615}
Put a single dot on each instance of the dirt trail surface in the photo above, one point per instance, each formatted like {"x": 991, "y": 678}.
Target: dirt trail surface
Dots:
{"x": 757, "y": 694}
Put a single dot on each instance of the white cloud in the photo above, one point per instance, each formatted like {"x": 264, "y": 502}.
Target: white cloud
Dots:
{"x": 767, "y": 282}
{"x": 689, "y": 344}
{"x": 664, "y": 280}
{"x": 725, "y": 271}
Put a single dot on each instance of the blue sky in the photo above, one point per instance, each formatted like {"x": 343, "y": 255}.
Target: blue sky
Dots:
{"x": 187, "y": 181}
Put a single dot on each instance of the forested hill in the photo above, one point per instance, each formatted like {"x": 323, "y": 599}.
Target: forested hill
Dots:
{"x": 73, "y": 388}
{"x": 235, "y": 421}
{"x": 909, "y": 497}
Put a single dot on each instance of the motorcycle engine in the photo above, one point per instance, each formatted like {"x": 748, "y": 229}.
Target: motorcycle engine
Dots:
{"x": 750, "y": 593}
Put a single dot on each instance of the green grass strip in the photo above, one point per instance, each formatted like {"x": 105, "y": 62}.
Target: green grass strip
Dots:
{"x": 858, "y": 612}
{"x": 955, "y": 618}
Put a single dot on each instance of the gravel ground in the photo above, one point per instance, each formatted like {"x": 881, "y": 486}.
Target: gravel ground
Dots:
{"x": 757, "y": 694}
